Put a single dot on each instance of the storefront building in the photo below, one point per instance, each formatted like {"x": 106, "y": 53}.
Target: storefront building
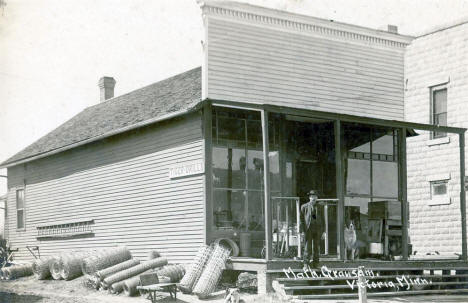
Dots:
{"x": 327, "y": 102}
{"x": 283, "y": 104}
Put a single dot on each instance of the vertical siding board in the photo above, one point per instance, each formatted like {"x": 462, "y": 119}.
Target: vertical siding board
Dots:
{"x": 123, "y": 184}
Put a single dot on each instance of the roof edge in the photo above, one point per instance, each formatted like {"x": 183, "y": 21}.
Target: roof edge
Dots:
{"x": 191, "y": 109}
{"x": 442, "y": 27}
{"x": 226, "y": 7}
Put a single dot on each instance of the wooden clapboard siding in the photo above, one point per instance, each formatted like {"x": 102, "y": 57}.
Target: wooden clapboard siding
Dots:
{"x": 122, "y": 183}
{"x": 251, "y": 62}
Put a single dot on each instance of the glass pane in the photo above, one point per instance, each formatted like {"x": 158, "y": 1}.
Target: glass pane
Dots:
{"x": 288, "y": 179}
{"x": 256, "y": 206}
{"x": 19, "y": 198}
{"x": 254, "y": 135}
{"x": 229, "y": 167}
{"x": 383, "y": 144}
{"x": 385, "y": 179}
{"x": 440, "y": 119}
{"x": 357, "y": 138}
{"x": 439, "y": 189}
{"x": 275, "y": 177}
{"x": 273, "y": 132}
{"x": 358, "y": 177}
{"x": 255, "y": 169}
{"x": 228, "y": 209}
{"x": 20, "y": 217}
{"x": 440, "y": 101}
{"x": 231, "y": 129}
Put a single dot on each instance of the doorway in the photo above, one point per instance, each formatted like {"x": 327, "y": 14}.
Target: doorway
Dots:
{"x": 308, "y": 160}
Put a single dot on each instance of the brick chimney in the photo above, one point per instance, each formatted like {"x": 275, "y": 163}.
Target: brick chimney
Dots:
{"x": 392, "y": 29}
{"x": 106, "y": 86}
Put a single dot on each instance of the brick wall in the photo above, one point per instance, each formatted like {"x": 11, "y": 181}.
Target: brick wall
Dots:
{"x": 437, "y": 58}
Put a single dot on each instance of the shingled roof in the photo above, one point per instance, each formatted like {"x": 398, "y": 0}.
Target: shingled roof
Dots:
{"x": 178, "y": 94}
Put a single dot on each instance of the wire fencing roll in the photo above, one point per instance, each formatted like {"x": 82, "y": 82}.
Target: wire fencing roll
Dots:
{"x": 133, "y": 271}
{"x": 41, "y": 267}
{"x": 153, "y": 254}
{"x": 91, "y": 282}
{"x": 55, "y": 270}
{"x": 104, "y": 259}
{"x": 130, "y": 286}
{"x": 196, "y": 268}
{"x": 118, "y": 287}
{"x": 173, "y": 272}
{"x": 229, "y": 243}
{"x": 102, "y": 274}
{"x": 70, "y": 264}
{"x": 17, "y": 271}
{"x": 212, "y": 272}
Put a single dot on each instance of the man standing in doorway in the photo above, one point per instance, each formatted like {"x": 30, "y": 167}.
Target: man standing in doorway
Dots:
{"x": 311, "y": 226}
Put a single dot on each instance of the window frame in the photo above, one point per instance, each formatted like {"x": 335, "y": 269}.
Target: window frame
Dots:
{"x": 23, "y": 209}
{"x": 247, "y": 145}
{"x": 433, "y": 91}
{"x": 439, "y": 199}
{"x": 372, "y": 157}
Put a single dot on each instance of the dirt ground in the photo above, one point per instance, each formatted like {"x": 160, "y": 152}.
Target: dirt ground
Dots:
{"x": 30, "y": 290}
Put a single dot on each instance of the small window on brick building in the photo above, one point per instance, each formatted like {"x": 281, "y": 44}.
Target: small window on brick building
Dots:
{"x": 439, "y": 109}
{"x": 439, "y": 192}
{"x": 20, "y": 215}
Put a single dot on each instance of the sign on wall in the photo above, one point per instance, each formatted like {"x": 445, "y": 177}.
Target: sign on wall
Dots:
{"x": 186, "y": 169}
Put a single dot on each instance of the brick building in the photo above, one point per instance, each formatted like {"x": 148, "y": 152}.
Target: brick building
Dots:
{"x": 436, "y": 76}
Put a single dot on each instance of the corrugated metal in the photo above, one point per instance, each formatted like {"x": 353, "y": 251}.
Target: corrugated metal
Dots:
{"x": 123, "y": 184}
{"x": 257, "y": 64}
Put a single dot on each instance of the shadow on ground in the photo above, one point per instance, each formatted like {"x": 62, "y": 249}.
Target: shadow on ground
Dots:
{"x": 6, "y": 297}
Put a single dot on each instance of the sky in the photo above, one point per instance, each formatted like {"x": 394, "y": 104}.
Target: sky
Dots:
{"x": 53, "y": 52}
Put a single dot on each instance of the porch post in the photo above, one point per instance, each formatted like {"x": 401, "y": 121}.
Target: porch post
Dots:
{"x": 207, "y": 116}
{"x": 266, "y": 178}
{"x": 339, "y": 190}
{"x": 461, "y": 140}
{"x": 403, "y": 191}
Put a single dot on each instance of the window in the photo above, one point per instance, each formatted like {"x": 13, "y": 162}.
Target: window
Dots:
{"x": 439, "y": 109}
{"x": 237, "y": 155}
{"x": 371, "y": 167}
{"x": 20, "y": 215}
{"x": 439, "y": 192}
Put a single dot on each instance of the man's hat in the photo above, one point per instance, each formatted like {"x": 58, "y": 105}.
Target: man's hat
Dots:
{"x": 312, "y": 193}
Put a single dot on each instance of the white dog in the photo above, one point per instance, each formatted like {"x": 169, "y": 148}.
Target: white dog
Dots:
{"x": 350, "y": 239}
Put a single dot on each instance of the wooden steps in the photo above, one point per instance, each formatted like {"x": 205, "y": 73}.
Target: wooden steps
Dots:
{"x": 383, "y": 294}
{"x": 292, "y": 280}
{"x": 326, "y": 287}
{"x": 380, "y": 282}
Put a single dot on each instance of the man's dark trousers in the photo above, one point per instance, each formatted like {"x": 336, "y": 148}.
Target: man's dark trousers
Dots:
{"x": 312, "y": 241}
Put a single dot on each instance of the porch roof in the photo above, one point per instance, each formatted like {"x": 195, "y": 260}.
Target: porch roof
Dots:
{"x": 410, "y": 126}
